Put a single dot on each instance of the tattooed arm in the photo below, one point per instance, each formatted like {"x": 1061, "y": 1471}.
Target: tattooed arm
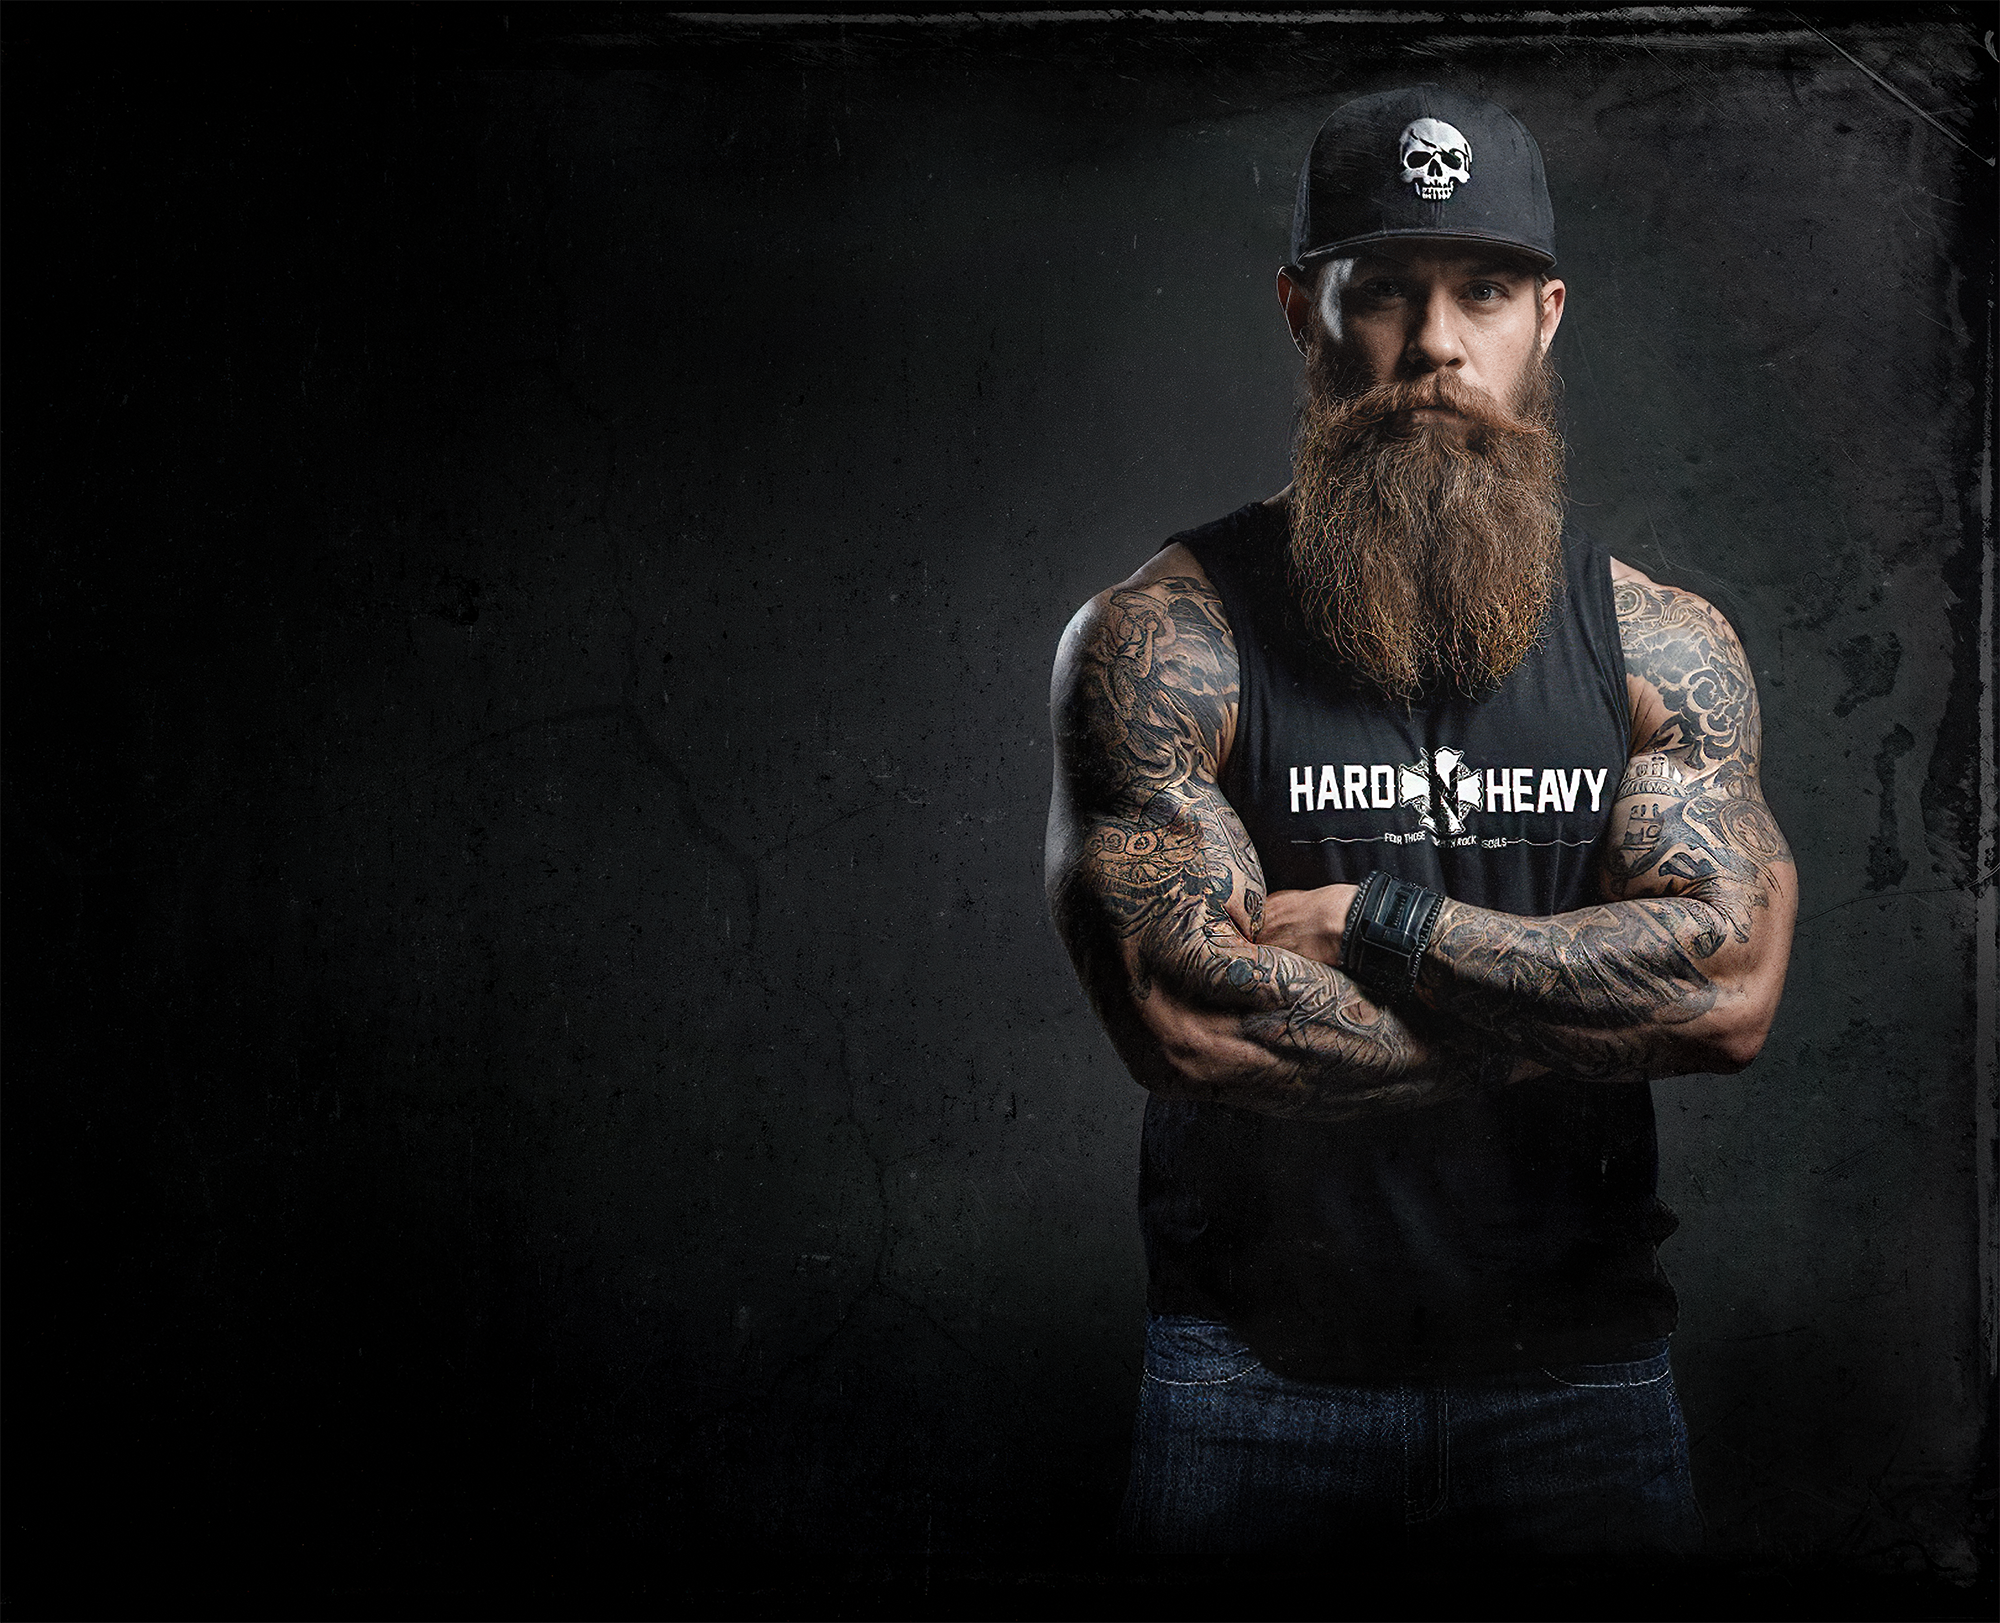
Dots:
{"x": 1681, "y": 968}
{"x": 1159, "y": 895}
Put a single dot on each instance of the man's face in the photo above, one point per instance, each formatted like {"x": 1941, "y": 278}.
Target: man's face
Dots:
{"x": 1404, "y": 310}
{"x": 1427, "y": 475}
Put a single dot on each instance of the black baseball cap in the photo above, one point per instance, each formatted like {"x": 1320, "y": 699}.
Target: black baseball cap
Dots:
{"x": 1422, "y": 162}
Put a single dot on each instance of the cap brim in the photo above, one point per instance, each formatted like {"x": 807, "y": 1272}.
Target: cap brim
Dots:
{"x": 1540, "y": 258}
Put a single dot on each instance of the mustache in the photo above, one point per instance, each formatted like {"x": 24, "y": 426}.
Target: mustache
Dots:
{"x": 1381, "y": 404}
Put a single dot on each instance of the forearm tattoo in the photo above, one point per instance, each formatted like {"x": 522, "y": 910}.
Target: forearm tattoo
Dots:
{"x": 1147, "y": 858}
{"x": 1692, "y": 857}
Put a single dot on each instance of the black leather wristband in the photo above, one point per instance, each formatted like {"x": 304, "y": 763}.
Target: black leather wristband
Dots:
{"x": 1387, "y": 929}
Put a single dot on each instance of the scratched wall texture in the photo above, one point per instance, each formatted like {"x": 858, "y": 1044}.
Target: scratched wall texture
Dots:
{"x": 536, "y": 1062}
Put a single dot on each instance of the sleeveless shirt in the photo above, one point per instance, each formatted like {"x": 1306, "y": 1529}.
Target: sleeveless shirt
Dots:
{"x": 1516, "y": 1228}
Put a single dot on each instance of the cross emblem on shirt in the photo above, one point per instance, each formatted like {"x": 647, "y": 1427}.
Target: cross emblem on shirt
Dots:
{"x": 1442, "y": 788}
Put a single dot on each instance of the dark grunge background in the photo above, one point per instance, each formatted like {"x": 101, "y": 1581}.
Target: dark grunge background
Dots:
{"x": 537, "y": 1073}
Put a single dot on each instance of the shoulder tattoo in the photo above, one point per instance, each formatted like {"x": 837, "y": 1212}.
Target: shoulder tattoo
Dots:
{"x": 1687, "y": 653}
{"x": 1156, "y": 683}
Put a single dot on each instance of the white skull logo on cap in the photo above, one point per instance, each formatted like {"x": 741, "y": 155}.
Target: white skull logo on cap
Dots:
{"x": 1435, "y": 158}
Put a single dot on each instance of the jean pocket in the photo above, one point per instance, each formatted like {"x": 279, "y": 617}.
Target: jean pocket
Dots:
{"x": 1195, "y": 1352}
{"x": 1646, "y": 1371}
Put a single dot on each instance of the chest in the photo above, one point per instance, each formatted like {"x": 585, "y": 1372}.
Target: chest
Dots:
{"x": 1500, "y": 802}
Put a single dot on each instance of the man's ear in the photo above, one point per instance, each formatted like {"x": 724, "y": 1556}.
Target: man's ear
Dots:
{"x": 1553, "y": 294}
{"x": 1295, "y": 294}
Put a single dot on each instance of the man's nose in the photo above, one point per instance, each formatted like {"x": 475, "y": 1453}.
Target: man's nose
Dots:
{"x": 1435, "y": 343}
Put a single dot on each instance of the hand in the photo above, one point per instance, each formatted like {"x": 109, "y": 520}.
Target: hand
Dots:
{"x": 1310, "y": 923}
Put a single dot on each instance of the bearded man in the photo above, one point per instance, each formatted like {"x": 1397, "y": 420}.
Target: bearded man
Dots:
{"x": 1400, "y": 837}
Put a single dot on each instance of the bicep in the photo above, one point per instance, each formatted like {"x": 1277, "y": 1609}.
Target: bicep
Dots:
{"x": 1148, "y": 862}
{"x": 1674, "y": 832}
{"x": 1689, "y": 817}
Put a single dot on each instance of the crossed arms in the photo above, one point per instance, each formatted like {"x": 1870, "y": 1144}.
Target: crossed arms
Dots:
{"x": 1211, "y": 989}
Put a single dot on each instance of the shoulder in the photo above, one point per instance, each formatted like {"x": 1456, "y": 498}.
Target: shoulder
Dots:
{"x": 1168, "y": 602}
{"x": 1175, "y": 583}
{"x": 1639, "y": 597}
{"x": 1685, "y": 670}
{"x": 1150, "y": 664}
{"x": 1656, "y": 619}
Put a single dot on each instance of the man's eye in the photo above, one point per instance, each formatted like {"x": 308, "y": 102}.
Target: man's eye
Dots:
{"x": 1380, "y": 289}
{"x": 1486, "y": 292}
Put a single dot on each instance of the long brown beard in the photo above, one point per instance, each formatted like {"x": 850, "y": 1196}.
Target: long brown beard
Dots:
{"x": 1419, "y": 558}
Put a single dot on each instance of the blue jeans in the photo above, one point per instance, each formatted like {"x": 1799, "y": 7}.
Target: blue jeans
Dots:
{"x": 1572, "y": 1460}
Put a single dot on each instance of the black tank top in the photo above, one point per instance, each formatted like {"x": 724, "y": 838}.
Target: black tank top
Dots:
{"x": 1514, "y": 1229}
